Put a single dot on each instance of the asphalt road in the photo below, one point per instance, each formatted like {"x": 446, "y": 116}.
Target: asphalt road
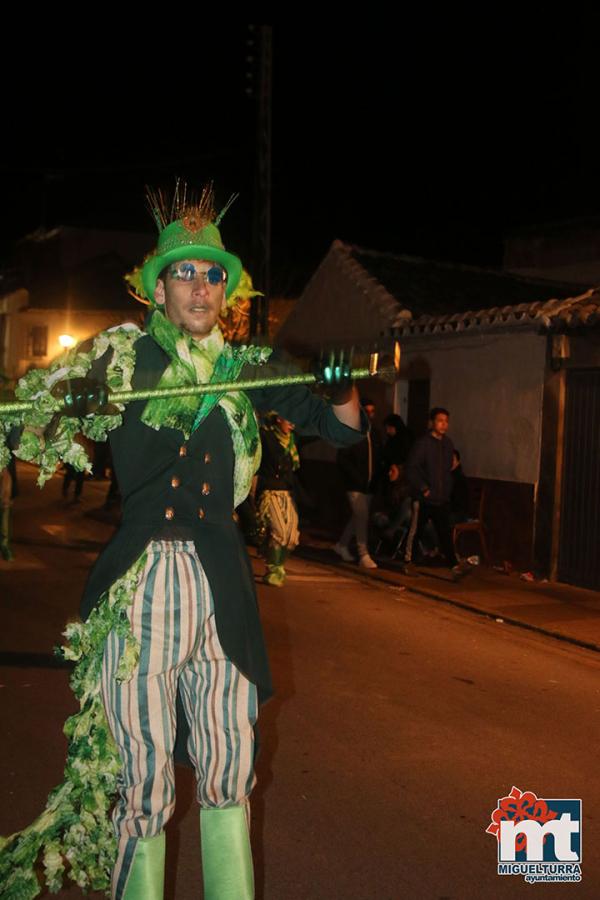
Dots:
{"x": 398, "y": 723}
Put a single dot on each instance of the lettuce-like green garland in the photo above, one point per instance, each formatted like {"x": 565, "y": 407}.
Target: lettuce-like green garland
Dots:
{"x": 59, "y": 444}
{"x": 74, "y": 829}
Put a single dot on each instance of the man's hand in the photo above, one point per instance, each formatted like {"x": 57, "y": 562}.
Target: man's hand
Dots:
{"x": 334, "y": 371}
{"x": 81, "y": 396}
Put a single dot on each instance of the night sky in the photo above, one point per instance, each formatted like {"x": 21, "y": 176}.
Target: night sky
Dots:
{"x": 430, "y": 136}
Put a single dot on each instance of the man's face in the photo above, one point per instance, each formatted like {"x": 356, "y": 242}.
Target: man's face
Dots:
{"x": 284, "y": 425}
{"x": 370, "y": 411}
{"x": 195, "y": 305}
{"x": 440, "y": 424}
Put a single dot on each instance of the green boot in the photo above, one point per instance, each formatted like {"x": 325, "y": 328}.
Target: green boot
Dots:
{"x": 275, "y": 574}
{"x": 5, "y": 550}
{"x": 146, "y": 879}
{"x": 226, "y": 854}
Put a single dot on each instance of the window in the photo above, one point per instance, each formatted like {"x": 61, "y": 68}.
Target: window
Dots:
{"x": 37, "y": 344}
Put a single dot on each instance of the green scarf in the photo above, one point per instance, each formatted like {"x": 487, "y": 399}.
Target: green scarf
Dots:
{"x": 207, "y": 361}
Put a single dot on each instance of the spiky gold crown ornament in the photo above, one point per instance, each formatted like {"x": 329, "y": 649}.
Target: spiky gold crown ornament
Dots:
{"x": 188, "y": 229}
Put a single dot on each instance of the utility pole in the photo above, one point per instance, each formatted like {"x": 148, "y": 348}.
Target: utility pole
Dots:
{"x": 260, "y": 52}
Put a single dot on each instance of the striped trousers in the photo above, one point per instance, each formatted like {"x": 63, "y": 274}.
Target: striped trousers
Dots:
{"x": 278, "y": 510}
{"x": 172, "y": 617}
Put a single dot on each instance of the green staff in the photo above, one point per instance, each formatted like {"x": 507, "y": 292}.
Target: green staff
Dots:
{"x": 214, "y": 388}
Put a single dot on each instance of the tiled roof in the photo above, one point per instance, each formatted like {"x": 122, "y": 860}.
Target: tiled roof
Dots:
{"x": 430, "y": 287}
{"x": 558, "y": 314}
{"x": 356, "y": 291}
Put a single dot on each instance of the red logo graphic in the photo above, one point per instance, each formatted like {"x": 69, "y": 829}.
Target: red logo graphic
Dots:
{"x": 518, "y": 806}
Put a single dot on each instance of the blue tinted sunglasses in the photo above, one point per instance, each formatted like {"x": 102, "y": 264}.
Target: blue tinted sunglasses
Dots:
{"x": 187, "y": 271}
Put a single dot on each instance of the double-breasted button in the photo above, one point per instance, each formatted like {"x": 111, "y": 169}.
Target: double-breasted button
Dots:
{"x": 207, "y": 458}
{"x": 169, "y": 513}
{"x": 205, "y": 489}
{"x": 175, "y": 481}
{"x": 201, "y": 513}
{"x": 183, "y": 450}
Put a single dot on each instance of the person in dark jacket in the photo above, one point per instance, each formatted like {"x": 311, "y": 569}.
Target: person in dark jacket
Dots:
{"x": 275, "y": 494}
{"x": 184, "y": 640}
{"x": 360, "y": 469}
{"x": 393, "y": 519}
{"x": 399, "y": 441}
{"x": 459, "y": 496}
{"x": 429, "y": 474}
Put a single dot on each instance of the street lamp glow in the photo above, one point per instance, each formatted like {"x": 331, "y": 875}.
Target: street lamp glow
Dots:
{"x": 66, "y": 341}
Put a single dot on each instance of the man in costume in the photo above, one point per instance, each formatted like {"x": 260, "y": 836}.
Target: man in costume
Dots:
{"x": 178, "y": 566}
{"x": 8, "y": 482}
{"x": 275, "y": 491}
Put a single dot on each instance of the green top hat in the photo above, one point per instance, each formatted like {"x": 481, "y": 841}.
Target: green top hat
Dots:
{"x": 177, "y": 242}
{"x": 193, "y": 235}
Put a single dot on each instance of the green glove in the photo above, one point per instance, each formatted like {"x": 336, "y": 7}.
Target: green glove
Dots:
{"x": 334, "y": 371}
{"x": 81, "y": 396}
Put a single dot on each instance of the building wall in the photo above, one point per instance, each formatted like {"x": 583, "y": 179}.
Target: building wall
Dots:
{"x": 584, "y": 274}
{"x": 493, "y": 386}
{"x": 80, "y": 324}
{"x": 337, "y": 308}
{"x": 10, "y": 306}
{"x": 568, "y": 252}
{"x": 580, "y": 351}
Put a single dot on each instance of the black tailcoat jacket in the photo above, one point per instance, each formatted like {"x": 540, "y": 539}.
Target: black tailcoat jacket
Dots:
{"x": 173, "y": 488}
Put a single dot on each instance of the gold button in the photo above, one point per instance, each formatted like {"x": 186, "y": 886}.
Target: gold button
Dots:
{"x": 175, "y": 481}
{"x": 207, "y": 457}
{"x": 201, "y": 513}
{"x": 169, "y": 513}
{"x": 205, "y": 489}
{"x": 183, "y": 450}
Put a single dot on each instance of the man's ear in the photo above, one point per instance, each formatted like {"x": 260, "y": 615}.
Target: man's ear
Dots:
{"x": 159, "y": 292}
